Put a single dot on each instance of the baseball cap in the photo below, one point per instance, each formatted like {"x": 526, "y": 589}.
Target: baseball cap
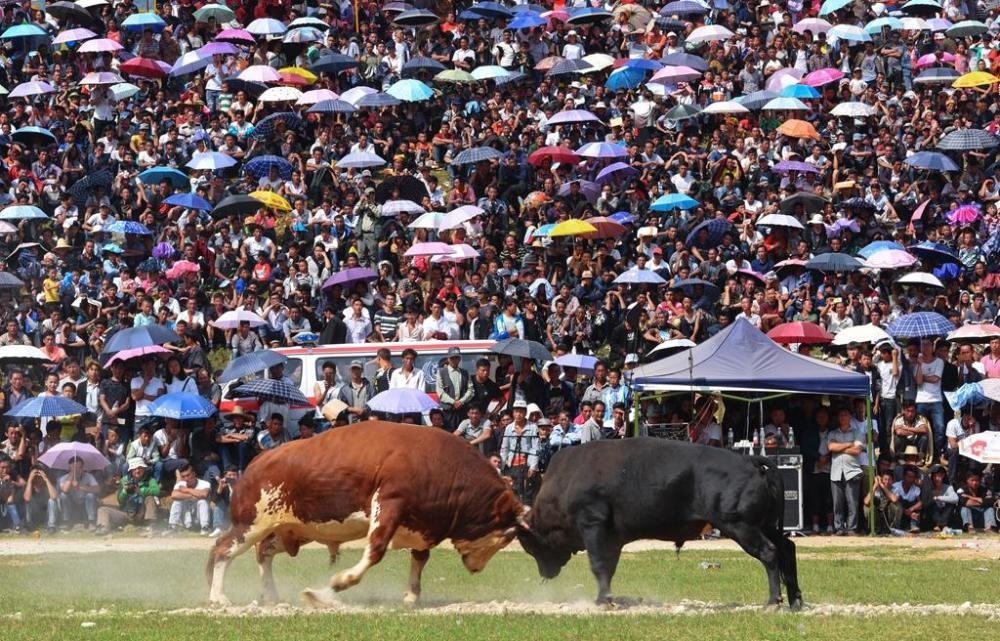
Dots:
{"x": 357, "y": 363}
{"x": 454, "y": 351}
{"x": 520, "y": 404}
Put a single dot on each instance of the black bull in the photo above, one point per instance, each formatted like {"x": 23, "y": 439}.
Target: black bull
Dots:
{"x": 599, "y": 496}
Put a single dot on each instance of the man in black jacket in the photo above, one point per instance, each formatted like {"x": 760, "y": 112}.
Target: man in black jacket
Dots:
{"x": 335, "y": 330}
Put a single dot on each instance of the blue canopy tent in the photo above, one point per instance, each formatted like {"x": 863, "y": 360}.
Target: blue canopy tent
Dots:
{"x": 741, "y": 363}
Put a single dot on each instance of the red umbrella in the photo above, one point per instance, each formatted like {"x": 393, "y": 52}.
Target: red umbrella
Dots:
{"x": 293, "y": 80}
{"x": 802, "y": 332}
{"x": 143, "y": 67}
{"x": 555, "y": 154}
{"x": 606, "y": 228}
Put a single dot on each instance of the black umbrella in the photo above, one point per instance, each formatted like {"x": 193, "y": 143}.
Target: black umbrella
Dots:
{"x": 685, "y": 59}
{"x": 688, "y": 286}
{"x": 409, "y": 189}
{"x": 858, "y": 204}
{"x": 333, "y": 63}
{"x": 239, "y": 204}
{"x": 10, "y": 281}
{"x": 270, "y": 125}
{"x": 834, "y": 262}
{"x": 416, "y": 18}
{"x": 811, "y": 203}
{"x": 252, "y": 89}
{"x": 136, "y": 337}
{"x": 522, "y": 348}
{"x": 422, "y": 63}
{"x": 86, "y": 185}
{"x": 67, "y": 12}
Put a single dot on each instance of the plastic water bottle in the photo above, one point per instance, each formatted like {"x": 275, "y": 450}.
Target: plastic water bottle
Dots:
{"x": 729, "y": 439}
{"x": 756, "y": 442}
{"x": 791, "y": 436}
{"x": 763, "y": 446}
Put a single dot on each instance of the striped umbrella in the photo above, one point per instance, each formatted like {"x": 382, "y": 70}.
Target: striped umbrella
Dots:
{"x": 475, "y": 155}
{"x": 968, "y": 139}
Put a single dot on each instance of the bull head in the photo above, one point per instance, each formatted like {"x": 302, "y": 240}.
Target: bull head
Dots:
{"x": 545, "y": 546}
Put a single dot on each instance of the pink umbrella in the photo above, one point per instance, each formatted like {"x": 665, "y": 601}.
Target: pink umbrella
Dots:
{"x": 891, "y": 259}
{"x": 964, "y": 215}
{"x": 816, "y": 25}
{"x": 674, "y": 74}
{"x": 239, "y": 35}
{"x": 149, "y": 350}
{"x": 99, "y": 45}
{"x": 73, "y": 35}
{"x": 821, "y": 77}
{"x": 232, "y": 320}
{"x": 783, "y": 78}
{"x": 101, "y": 78}
{"x": 316, "y": 95}
{"x": 935, "y": 59}
{"x": 460, "y": 252}
{"x": 59, "y": 455}
{"x": 429, "y": 249}
{"x": 182, "y": 267}
{"x": 259, "y": 73}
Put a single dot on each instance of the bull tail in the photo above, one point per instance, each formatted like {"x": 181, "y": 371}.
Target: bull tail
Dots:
{"x": 223, "y": 548}
{"x": 775, "y": 489}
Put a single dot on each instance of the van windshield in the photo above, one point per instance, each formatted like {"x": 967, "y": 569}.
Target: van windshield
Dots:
{"x": 427, "y": 363}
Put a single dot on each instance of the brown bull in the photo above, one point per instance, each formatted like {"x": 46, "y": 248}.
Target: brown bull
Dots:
{"x": 390, "y": 484}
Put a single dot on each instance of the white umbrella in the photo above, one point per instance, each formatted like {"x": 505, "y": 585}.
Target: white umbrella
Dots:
{"x": 853, "y": 110}
{"x": 975, "y": 333}
{"x": 430, "y": 220}
{"x": 725, "y": 107}
{"x": 455, "y": 218}
{"x": 22, "y": 354}
{"x": 861, "y": 334}
{"x": 709, "y": 33}
{"x": 598, "y": 61}
{"x": 280, "y": 94}
{"x": 920, "y": 278}
{"x": 983, "y": 447}
{"x": 395, "y": 207}
{"x": 779, "y": 220}
{"x": 675, "y": 343}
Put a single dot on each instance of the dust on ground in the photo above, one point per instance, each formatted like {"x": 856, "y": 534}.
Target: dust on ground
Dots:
{"x": 934, "y": 547}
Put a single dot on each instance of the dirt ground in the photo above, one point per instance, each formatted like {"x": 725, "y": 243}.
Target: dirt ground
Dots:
{"x": 951, "y": 547}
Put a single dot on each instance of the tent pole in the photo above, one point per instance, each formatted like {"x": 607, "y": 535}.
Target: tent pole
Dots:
{"x": 870, "y": 471}
{"x": 637, "y": 408}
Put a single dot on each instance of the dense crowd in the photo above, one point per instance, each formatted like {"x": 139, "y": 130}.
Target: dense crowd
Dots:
{"x": 604, "y": 180}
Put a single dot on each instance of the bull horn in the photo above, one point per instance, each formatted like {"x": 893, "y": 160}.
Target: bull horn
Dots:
{"x": 522, "y": 518}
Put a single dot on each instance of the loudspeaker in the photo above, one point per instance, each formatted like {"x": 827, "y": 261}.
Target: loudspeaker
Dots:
{"x": 790, "y": 468}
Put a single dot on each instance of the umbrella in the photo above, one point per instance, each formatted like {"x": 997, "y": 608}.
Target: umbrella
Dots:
{"x": 831, "y": 6}
{"x": 416, "y": 18}
{"x": 875, "y": 26}
{"x": 251, "y": 364}
{"x": 779, "y": 220}
{"x": 568, "y": 67}
{"x": 590, "y": 190}
{"x": 688, "y": 286}
{"x": 190, "y": 62}
{"x": 409, "y": 90}
{"x": 755, "y": 101}
{"x": 891, "y": 259}
{"x": 89, "y": 183}
{"x": 975, "y": 333}
{"x": 400, "y": 187}
{"x": 975, "y": 79}
{"x": 709, "y": 33}
{"x": 155, "y": 175}
{"x": 588, "y": 15}
{"x": 402, "y": 400}
{"x": 259, "y": 73}
{"x": 26, "y": 30}
{"x": 455, "y": 76}
{"x": 486, "y": 72}
{"x": 275, "y": 391}
{"x": 10, "y": 281}
{"x": 422, "y": 63}
{"x": 144, "y": 336}
{"x": 128, "y": 227}
{"x": 611, "y": 171}
{"x": 219, "y": 12}
{"x": 303, "y": 35}
{"x": 34, "y": 136}
{"x": 931, "y": 160}
{"x": 604, "y": 228}
{"x": 23, "y": 212}
{"x": 428, "y": 249}
{"x": 668, "y": 347}
{"x": 801, "y": 332}
{"x": 624, "y": 79}
{"x": 59, "y": 455}
{"x": 239, "y": 205}
{"x": 555, "y": 154}
{"x": 143, "y": 21}
{"x": 73, "y": 35}
{"x": 636, "y": 276}
{"x": 683, "y": 7}
{"x": 834, "y": 262}
{"x": 582, "y": 362}
{"x": 360, "y": 160}
{"x": 138, "y": 352}
{"x": 456, "y": 217}
{"x": 314, "y": 96}
{"x": 35, "y": 88}
{"x": 210, "y": 161}
{"x": 822, "y": 77}
{"x": 853, "y": 110}
{"x": 519, "y": 347}
{"x": 351, "y": 276}
{"x": 810, "y": 203}
{"x": 233, "y": 319}
{"x": 786, "y": 166}
{"x": 848, "y": 32}
{"x": 95, "y": 78}
{"x": 67, "y": 12}
{"x": 459, "y": 252}
{"x": 815, "y": 25}
{"x": 266, "y": 27}
{"x": 672, "y": 201}
{"x": 377, "y": 100}
{"x": 183, "y": 406}
{"x": 968, "y": 139}
{"x": 143, "y": 67}
{"x": 802, "y": 92}
{"x": 400, "y": 206}
{"x": 572, "y": 227}
{"x": 985, "y": 446}
{"x": 798, "y": 129}
{"x": 643, "y": 64}
{"x": 268, "y": 126}
{"x": 964, "y": 215}
{"x": 725, "y": 107}
{"x": 922, "y": 7}
{"x": 333, "y": 63}
{"x": 927, "y": 250}
{"x": 428, "y": 220}
{"x": 937, "y": 75}
{"x": 333, "y": 107}
{"x": 280, "y": 94}
{"x": 683, "y": 112}
{"x": 785, "y": 104}
{"x": 45, "y": 406}
{"x": 920, "y": 278}
{"x": 860, "y": 334}
{"x": 475, "y": 155}
{"x": 527, "y": 20}
{"x": 966, "y": 28}
{"x": 22, "y": 354}
{"x": 261, "y": 166}
{"x": 675, "y": 74}
{"x": 688, "y": 60}
{"x": 716, "y": 228}
{"x": 572, "y": 116}
{"x": 602, "y": 150}
{"x": 920, "y": 325}
{"x": 237, "y": 35}
{"x": 879, "y": 245}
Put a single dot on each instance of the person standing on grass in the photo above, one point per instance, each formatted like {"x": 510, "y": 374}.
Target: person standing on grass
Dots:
{"x": 844, "y": 446}
{"x": 929, "y": 371}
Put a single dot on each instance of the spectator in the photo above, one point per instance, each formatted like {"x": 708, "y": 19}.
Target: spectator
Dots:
{"x": 137, "y": 493}
{"x": 189, "y": 508}
{"x": 844, "y": 446}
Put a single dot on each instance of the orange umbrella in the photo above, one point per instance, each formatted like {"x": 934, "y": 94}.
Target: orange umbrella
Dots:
{"x": 606, "y": 228}
{"x": 798, "y": 129}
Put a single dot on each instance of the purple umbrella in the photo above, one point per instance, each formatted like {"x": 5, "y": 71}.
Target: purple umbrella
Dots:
{"x": 74, "y": 35}
{"x": 101, "y": 78}
{"x": 891, "y": 259}
{"x": 428, "y": 249}
{"x": 795, "y": 165}
{"x": 602, "y": 150}
{"x": 573, "y": 116}
{"x": 99, "y": 45}
{"x": 163, "y": 250}
{"x": 590, "y": 190}
{"x": 35, "y": 88}
{"x": 784, "y": 77}
{"x": 608, "y": 173}
{"x": 842, "y": 224}
{"x": 239, "y": 35}
{"x": 218, "y": 48}
{"x": 59, "y": 455}
{"x": 350, "y": 276}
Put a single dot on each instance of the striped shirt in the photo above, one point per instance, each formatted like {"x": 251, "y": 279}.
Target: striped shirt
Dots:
{"x": 388, "y": 322}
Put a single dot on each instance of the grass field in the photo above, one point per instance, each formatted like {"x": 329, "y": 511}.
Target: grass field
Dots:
{"x": 161, "y": 594}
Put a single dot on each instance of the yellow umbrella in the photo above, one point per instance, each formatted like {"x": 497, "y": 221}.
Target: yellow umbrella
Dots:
{"x": 975, "y": 79}
{"x": 572, "y": 227}
{"x": 272, "y": 200}
{"x": 305, "y": 74}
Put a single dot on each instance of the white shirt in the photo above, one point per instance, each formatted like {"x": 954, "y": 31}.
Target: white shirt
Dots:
{"x": 155, "y": 387}
{"x": 413, "y": 379}
{"x": 930, "y": 392}
{"x": 889, "y": 382}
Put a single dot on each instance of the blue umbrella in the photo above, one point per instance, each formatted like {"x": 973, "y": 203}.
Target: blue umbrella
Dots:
{"x": 44, "y": 406}
{"x": 636, "y": 276}
{"x": 135, "y": 337}
{"x": 33, "y": 136}
{"x": 543, "y": 230}
{"x": 829, "y": 6}
{"x": 877, "y": 246}
{"x": 183, "y": 406}
{"x": 476, "y": 154}
{"x": 378, "y": 100}
{"x": 129, "y": 227}
{"x": 402, "y": 400}
{"x": 189, "y": 200}
{"x": 333, "y": 63}
{"x": 683, "y": 7}
{"x": 685, "y": 60}
{"x": 642, "y": 63}
{"x": 143, "y": 21}
{"x": 409, "y": 90}
{"x": 23, "y": 212}
{"x": 834, "y": 262}
{"x": 269, "y": 389}
{"x": 966, "y": 395}
{"x": 623, "y": 217}
{"x": 588, "y": 15}
{"x": 527, "y": 20}
{"x": 422, "y": 63}
{"x": 668, "y": 202}
{"x": 566, "y": 67}
{"x": 624, "y": 79}
{"x": 156, "y": 175}
{"x": 89, "y": 184}
{"x": 582, "y": 362}
{"x": 251, "y": 364}
{"x": 716, "y": 228}
{"x": 260, "y": 166}
{"x": 492, "y": 10}
{"x": 920, "y": 325}
{"x": 932, "y": 160}
{"x": 926, "y": 250}
{"x": 799, "y": 91}
{"x": 332, "y": 107}
{"x": 302, "y": 35}
{"x": 709, "y": 290}
{"x": 210, "y": 160}
{"x": 26, "y": 30}
{"x": 268, "y": 125}
{"x": 755, "y": 101}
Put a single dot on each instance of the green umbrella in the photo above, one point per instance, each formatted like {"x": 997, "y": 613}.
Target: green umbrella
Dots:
{"x": 217, "y": 11}
{"x": 454, "y": 75}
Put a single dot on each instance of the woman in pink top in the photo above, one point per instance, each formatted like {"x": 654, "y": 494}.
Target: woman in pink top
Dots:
{"x": 991, "y": 362}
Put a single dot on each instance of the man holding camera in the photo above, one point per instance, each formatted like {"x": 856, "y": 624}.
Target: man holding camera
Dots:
{"x": 137, "y": 492}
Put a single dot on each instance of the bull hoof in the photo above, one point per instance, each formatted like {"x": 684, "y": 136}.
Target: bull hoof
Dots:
{"x": 795, "y": 604}
{"x": 617, "y": 602}
{"x": 269, "y": 599}
{"x": 219, "y": 602}
{"x": 341, "y": 581}
{"x": 410, "y": 599}
{"x": 318, "y": 598}
{"x": 772, "y": 606}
